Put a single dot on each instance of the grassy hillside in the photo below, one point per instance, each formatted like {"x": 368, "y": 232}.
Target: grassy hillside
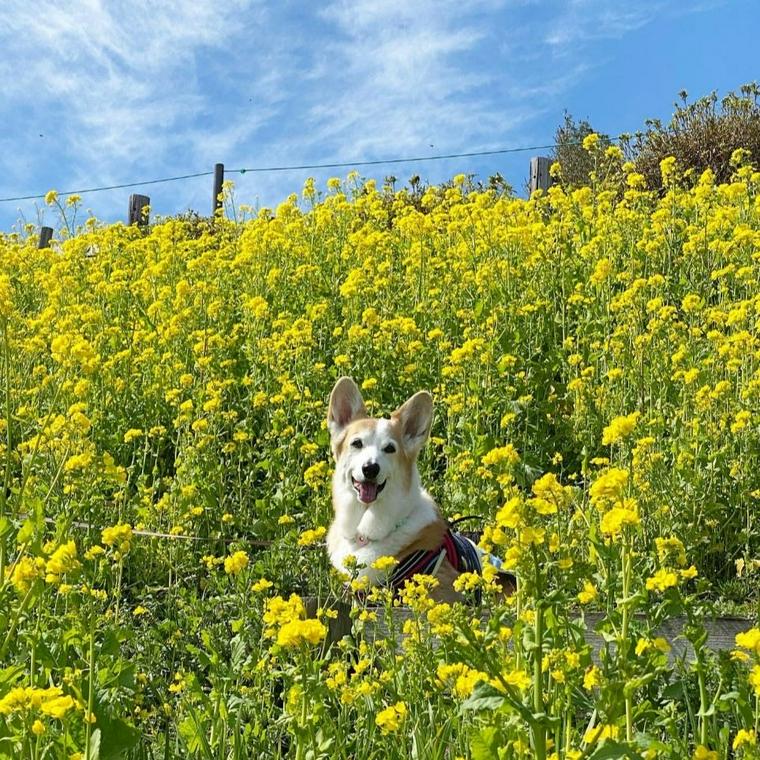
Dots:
{"x": 595, "y": 364}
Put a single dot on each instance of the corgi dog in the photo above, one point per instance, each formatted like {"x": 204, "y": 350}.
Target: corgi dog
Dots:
{"x": 381, "y": 508}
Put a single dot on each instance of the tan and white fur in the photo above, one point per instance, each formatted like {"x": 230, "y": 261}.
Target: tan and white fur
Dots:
{"x": 381, "y": 508}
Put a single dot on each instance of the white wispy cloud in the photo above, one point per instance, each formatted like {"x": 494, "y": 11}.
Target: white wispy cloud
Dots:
{"x": 101, "y": 92}
{"x": 581, "y": 22}
{"x": 124, "y": 81}
{"x": 402, "y": 80}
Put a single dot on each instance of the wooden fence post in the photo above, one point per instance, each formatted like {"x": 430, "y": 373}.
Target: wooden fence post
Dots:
{"x": 218, "y": 181}
{"x": 539, "y": 173}
{"x": 46, "y": 233}
{"x": 137, "y": 214}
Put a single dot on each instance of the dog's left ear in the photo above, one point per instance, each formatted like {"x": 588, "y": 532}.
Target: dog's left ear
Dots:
{"x": 416, "y": 417}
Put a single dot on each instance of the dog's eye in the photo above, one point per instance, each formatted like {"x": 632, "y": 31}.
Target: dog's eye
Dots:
{"x": 389, "y": 448}
{"x": 356, "y": 443}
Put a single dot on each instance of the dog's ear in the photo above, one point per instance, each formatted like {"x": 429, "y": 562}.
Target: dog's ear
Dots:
{"x": 416, "y": 417}
{"x": 346, "y": 405}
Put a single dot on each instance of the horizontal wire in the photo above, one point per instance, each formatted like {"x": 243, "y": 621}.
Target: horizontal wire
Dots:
{"x": 154, "y": 534}
{"x": 109, "y": 187}
{"x": 263, "y": 169}
{"x": 347, "y": 164}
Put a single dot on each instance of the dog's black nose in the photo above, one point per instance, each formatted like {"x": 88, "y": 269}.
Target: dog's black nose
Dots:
{"x": 370, "y": 469}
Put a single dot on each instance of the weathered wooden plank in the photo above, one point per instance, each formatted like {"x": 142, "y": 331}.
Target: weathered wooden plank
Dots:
{"x": 539, "y": 173}
{"x": 46, "y": 234}
{"x": 137, "y": 209}
{"x": 721, "y": 634}
{"x": 721, "y": 631}
{"x": 218, "y": 182}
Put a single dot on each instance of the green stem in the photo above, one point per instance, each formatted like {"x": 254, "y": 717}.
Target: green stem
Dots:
{"x": 623, "y": 648}
{"x": 539, "y": 728}
{"x": 118, "y": 588}
{"x": 703, "y": 700}
{"x": 14, "y": 623}
{"x": 7, "y": 473}
{"x": 35, "y": 450}
{"x": 91, "y": 687}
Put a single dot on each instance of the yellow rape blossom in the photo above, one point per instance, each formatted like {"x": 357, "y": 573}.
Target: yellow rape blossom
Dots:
{"x": 662, "y": 580}
{"x": 608, "y": 487}
{"x": 616, "y": 519}
{"x": 391, "y": 718}
{"x": 235, "y": 563}
{"x": 588, "y": 594}
{"x": 384, "y": 564}
{"x": 754, "y": 679}
{"x": 62, "y": 561}
{"x": 311, "y": 537}
{"x": 744, "y": 738}
{"x": 119, "y": 537}
{"x": 600, "y": 733}
{"x": 297, "y": 632}
{"x": 620, "y": 428}
{"x": 749, "y": 639}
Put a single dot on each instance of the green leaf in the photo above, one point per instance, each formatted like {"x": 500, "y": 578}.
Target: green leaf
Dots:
{"x": 615, "y": 751}
{"x": 115, "y": 736}
{"x": 94, "y": 750}
{"x": 11, "y": 674}
{"x": 484, "y": 745}
{"x": 484, "y": 697}
{"x": 673, "y": 691}
{"x": 26, "y": 531}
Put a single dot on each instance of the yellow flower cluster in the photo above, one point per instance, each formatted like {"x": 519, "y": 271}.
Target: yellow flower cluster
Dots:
{"x": 286, "y": 622}
{"x": 235, "y": 563}
{"x": 620, "y": 428}
{"x": 61, "y": 562}
{"x": 391, "y": 718}
{"x": 119, "y": 537}
{"x": 25, "y": 699}
{"x": 459, "y": 678}
{"x": 24, "y": 572}
{"x": 311, "y": 537}
{"x": 662, "y": 580}
{"x": 624, "y": 513}
{"x": 296, "y": 632}
{"x": 749, "y": 640}
{"x": 385, "y": 564}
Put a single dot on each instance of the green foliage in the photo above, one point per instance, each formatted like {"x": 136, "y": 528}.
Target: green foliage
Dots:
{"x": 701, "y": 135}
{"x": 577, "y": 164}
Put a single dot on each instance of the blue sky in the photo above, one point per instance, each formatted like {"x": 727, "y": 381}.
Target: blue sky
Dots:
{"x": 98, "y": 93}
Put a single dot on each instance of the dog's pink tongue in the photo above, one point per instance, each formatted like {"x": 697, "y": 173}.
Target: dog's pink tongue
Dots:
{"x": 367, "y": 492}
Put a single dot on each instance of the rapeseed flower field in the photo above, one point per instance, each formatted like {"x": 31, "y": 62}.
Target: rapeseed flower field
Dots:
{"x": 595, "y": 363}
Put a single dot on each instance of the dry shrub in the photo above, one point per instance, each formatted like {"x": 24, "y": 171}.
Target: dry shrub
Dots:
{"x": 701, "y": 135}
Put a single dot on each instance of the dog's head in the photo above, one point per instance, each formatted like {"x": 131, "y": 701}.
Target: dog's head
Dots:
{"x": 377, "y": 458}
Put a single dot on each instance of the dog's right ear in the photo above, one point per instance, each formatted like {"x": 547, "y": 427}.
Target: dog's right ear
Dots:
{"x": 346, "y": 405}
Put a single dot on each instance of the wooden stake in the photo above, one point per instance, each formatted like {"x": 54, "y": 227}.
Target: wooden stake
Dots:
{"x": 218, "y": 181}
{"x": 539, "y": 173}
{"x": 137, "y": 204}
{"x": 46, "y": 233}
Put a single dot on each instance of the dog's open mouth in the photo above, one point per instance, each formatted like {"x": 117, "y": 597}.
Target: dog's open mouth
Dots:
{"x": 367, "y": 489}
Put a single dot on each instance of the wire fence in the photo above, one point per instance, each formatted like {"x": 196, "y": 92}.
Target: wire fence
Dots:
{"x": 298, "y": 167}
{"x": 79, "y": 525}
